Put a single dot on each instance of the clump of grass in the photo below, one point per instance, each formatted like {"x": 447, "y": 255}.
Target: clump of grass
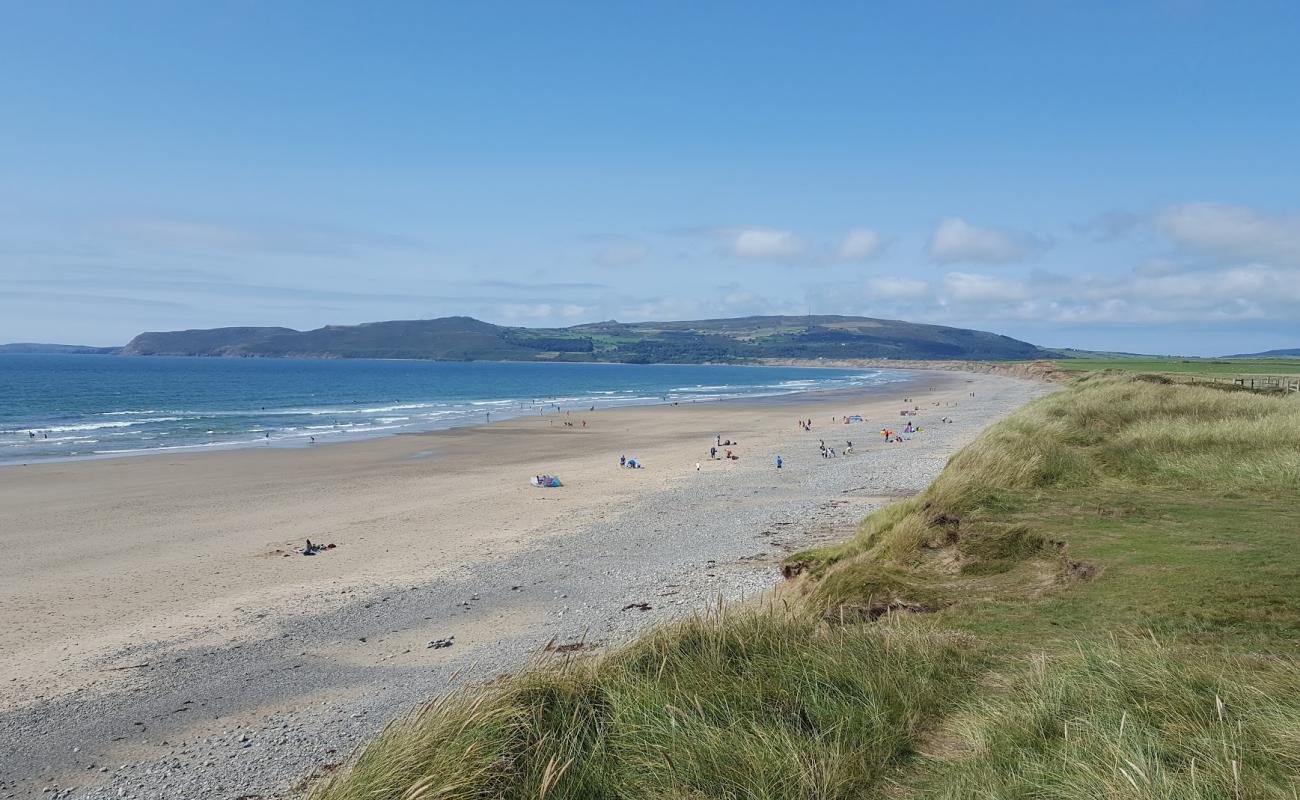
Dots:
{"x": 743, "y": 705}
{"x": 1127, "y": 720}
{"x": 1118, "y": 432}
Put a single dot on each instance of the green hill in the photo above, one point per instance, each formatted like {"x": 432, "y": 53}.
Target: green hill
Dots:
{"x": 716, "y": 340}
{"x": 1283, "y": 353}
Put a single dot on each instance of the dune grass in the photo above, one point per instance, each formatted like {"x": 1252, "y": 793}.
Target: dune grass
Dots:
{"x": 737, "y": 705}
{"x": 1124, "y": 719}
{"x": 1099, "y": 597}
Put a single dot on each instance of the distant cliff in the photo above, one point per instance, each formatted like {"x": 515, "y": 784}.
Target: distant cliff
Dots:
{"x": 717, "y": 340}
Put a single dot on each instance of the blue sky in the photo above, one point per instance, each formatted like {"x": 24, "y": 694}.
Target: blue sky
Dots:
{"x": 1101, "y": 175}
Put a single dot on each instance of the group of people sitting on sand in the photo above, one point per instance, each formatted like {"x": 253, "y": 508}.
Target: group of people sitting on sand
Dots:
{"x": 725, "y": 446}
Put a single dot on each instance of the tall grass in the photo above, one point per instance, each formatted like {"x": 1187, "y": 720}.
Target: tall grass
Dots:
{"x": 1103, "y": 431}
{"x": 818, "y": 703}
{"x": 1128, "y": 719}
{"x": 744, "y": 705}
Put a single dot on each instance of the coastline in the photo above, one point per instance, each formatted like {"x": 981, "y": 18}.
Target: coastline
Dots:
{"x": 178, "y": 563}
{"x": 282, "y": 426}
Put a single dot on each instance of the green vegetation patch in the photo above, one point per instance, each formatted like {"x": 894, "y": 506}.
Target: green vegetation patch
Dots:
{"x": 1099, "y": 597}
{"x": 1123, "y": 719}
{"x": 748, "y": 705}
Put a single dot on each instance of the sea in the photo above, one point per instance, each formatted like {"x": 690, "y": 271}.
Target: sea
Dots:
{"x": 58, "y": 407}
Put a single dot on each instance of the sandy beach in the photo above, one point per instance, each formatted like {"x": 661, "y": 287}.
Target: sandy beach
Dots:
{"x": 163, "y": 637}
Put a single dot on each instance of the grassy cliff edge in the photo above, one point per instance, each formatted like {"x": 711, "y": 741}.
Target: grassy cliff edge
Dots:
{"x": 1098, "y": 597}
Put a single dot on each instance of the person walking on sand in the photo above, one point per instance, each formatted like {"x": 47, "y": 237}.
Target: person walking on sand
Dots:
{"x": 622, "y": 461}
{"x": 779, "y": 462}
{"x": 717, "y": 439}
{"x": 713, "y": 453}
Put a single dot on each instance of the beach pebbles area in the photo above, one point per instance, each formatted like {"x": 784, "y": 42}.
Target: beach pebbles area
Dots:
{"x": 260, "y": 715}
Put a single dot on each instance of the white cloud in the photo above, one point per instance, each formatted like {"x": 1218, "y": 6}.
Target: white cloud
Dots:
{"x": 1253, "y": 292}
{"x": 1232, "y": 233}
{"x": 964, "y": 287}
{"x": 897, "y": 288}
{"x": 956, "y": 240}
{"x": 766, "y": 243}
{"x": 861, "y": 244}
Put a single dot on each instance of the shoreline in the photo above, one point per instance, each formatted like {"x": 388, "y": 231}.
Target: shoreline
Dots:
{"x": 432, "y": 426}
{"x": 159, "y": 580}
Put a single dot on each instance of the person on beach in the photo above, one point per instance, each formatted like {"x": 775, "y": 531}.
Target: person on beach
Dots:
{"x": 697, "y": 466}
{"x": 778, "y": 462}
{"x": 713, "y": 453}
{"x": 717, "y": 439}
{"x": 622, "y": 461}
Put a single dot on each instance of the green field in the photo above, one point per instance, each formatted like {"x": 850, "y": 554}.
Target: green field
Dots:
{"x": 1098, "y": 598}
{"x": 1218, "y": 367}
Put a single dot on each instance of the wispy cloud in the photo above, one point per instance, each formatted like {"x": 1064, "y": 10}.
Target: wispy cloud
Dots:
{"x": 530, "y": 285}
{"x": 1232, "y": 233}
{"x": 520, "y": 313}
{"x": 618, "y": 251}
{"x": 766, "y": 244}
{"x": 964, "y": 287}
{"x": 861, "y": 244}
{"x": 898, "y": 288}
{"x": 955, "y": 240}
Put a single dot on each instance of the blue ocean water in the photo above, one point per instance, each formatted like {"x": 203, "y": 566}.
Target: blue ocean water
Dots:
{"x": 84, "y": 406}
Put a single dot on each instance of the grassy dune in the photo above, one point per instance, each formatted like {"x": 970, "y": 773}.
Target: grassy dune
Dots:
{"x": 1100, "y": 597}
